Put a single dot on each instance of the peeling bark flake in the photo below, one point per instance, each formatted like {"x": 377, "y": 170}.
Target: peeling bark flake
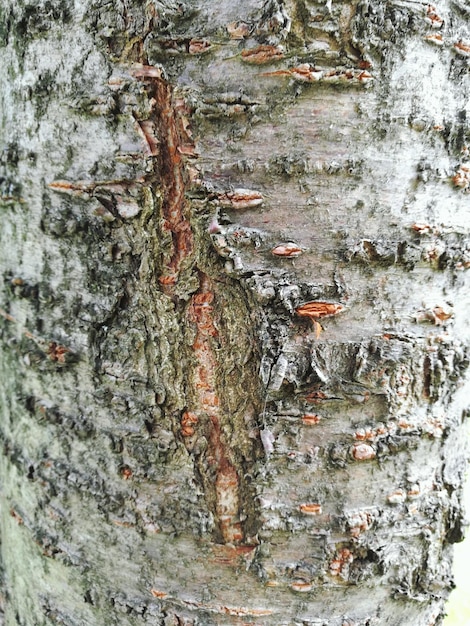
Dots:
{"x": 315, "y": 310}
{"x": 262, "y": 54}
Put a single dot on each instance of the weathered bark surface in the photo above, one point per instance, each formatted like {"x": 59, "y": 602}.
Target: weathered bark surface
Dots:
{"x": 234, "y": 310}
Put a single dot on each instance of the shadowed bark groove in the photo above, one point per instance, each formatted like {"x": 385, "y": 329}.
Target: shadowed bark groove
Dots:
{"x": 167, "y": 137}
{"x": 220, "y": 479}
{"x": 162, "y": 131}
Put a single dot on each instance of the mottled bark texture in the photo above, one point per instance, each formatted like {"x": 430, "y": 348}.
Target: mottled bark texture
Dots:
{"x": 234, "y": 310}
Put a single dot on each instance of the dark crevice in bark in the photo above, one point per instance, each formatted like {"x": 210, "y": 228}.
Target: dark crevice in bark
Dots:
{"x": 223, "y": 490}
{"x": 427, "y": 377}
{"x": 163, "y": 138}
{"x": 217, "y": 466}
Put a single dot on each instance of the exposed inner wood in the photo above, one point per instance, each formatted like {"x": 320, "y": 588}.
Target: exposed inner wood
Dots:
{"x": 163, "y": 136}
{"x": 224, "y": 491}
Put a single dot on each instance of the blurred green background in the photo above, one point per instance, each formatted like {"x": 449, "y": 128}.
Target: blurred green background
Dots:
{"x": 458, "y": 607}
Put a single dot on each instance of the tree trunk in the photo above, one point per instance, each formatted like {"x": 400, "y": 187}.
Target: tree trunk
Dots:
{"x": 234, "y": 310}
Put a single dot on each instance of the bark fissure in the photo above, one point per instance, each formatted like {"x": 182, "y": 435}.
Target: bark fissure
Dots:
{"x": 165, "y": 132}
{"x": 163, "y": 137}
{"x": 223, "y": 492}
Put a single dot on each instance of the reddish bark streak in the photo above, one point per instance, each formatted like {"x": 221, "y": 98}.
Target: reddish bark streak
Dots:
{"x": 208, "y": 412}
{"x": 167, "y": 136}
{"x": 161, "y": 132}
{"x": 171, "y": 167}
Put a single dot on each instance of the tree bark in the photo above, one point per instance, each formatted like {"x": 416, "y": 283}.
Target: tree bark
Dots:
{"x": 234, "y": 311}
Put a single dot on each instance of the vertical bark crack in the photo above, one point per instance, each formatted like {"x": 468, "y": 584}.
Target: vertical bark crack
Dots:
{"x": 216, "y": 467}
{"x": 162, "y": 135}
{"x": 223, "y": 492}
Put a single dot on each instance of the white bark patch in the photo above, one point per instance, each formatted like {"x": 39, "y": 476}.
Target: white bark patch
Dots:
{"x": 128, "y": 210}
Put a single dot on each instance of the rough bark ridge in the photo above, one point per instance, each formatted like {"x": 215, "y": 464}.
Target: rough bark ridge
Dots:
{"x": 169, "y": 138}
{"x": 234, "y": 311}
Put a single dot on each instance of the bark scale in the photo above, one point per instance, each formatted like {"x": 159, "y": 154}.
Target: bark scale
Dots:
{"x": 234, "y": 330}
